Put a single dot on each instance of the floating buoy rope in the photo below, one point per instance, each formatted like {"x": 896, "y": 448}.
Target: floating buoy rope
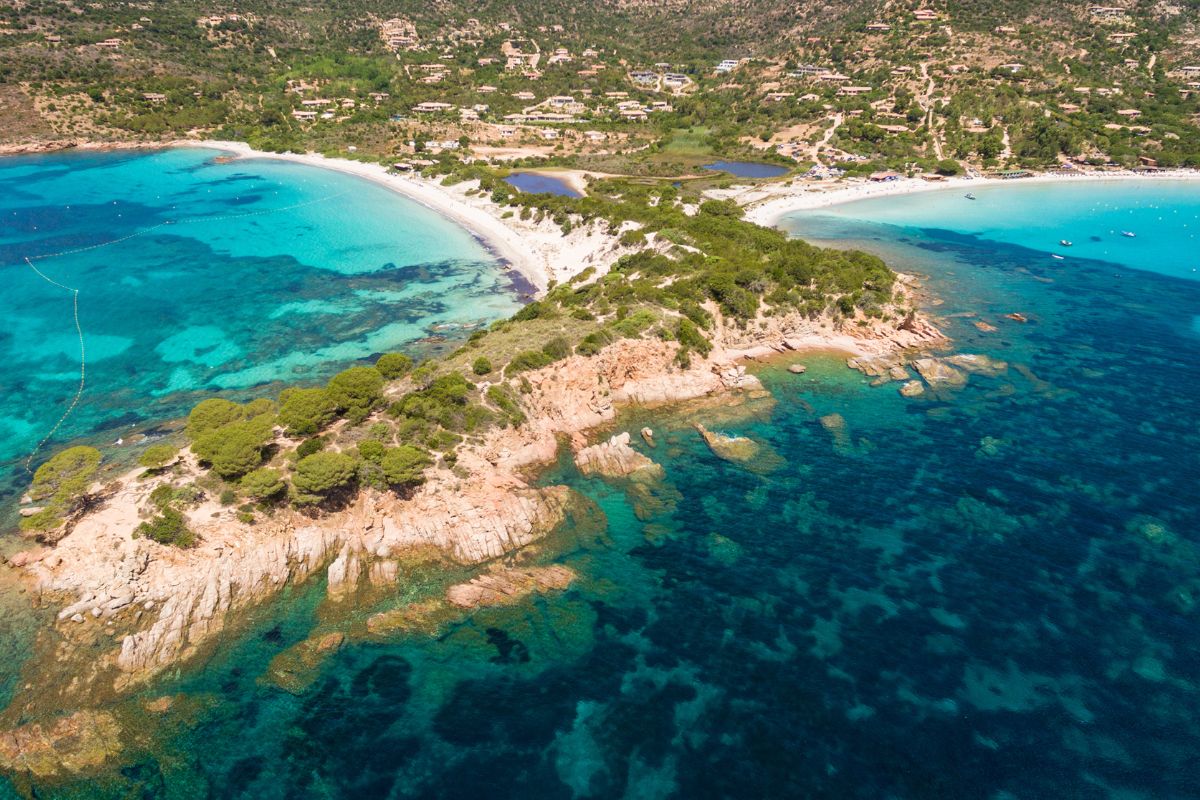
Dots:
{"x": 75, "y": 294}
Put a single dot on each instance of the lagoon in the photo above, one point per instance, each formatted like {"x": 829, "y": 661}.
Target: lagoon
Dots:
{"x": 200, "y": 274}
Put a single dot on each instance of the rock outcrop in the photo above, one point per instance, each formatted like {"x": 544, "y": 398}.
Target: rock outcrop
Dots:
{"x": 507, "y": 585}
{"x": 614, "y": 459}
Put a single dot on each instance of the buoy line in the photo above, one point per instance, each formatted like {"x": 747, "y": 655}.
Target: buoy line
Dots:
{"x": 75, "y": 295}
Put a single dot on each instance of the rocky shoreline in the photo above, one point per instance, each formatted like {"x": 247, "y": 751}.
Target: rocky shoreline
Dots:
{"x": 131, "y": 608}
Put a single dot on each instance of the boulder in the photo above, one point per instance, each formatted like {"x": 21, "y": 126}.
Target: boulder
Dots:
{"x": 614, "y": 459}
{"x": 938, "y": 373}
{"x": 730, "y": 448}
{"x": 797, "y": 369}
{"x": 648, "y": 436}
{"x": 912, "y": 389}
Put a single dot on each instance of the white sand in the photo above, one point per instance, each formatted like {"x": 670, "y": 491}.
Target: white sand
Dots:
{"x": 766, "y": 205}
{"x": 540, "y": 252}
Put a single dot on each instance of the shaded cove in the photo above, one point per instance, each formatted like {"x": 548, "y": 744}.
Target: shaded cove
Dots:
{"x": 197, "y": 275}
{"x": 990, "y": 591}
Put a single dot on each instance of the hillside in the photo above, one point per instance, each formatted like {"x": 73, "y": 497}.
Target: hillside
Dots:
{"x": 620, "y": 85}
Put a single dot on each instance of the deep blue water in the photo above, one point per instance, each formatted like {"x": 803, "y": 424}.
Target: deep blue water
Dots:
{"x": 747, "y": 169}
{"x": 197, "y": 276}
{"x": 538, "y": 183}
{"x": 992, "y": 593}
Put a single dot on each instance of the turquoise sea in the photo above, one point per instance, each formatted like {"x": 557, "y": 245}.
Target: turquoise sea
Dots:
{"x": 991, "y": 593}
{"x": 198, "y": 275}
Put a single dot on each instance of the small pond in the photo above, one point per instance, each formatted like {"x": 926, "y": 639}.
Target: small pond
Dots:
{"x": 748, "y": 169}
{"x": 538, "y": 183}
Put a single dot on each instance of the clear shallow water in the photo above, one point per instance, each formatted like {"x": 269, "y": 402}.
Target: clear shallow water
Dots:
{"x": 537, "y": 183}
{"x": 268, "y": 272}
{"x": 990, "y": 594}
{"x": 747, "y": 169}
{"x": 1164, "y": 215}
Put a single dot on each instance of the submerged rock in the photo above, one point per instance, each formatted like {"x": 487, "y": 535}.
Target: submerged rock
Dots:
{"x": 985, "y": 327}
{"x": 874, "y": 366}
{"x": 989, "y": 447}
{"x": 507, "y": 585}
{"x": 836, "y": 425}
{"x": 797, "y": 369}
{"x": 71, "y": 744}
{"x": 648, "y": 437}
{"x": 938, "y": 373}
{"x": 912, "y": 389}
{"x": 730, "y": 448}
{"x": 296, "y": 668}
{"x": 978, "y": 363}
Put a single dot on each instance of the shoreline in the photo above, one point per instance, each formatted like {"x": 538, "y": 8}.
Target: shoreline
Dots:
{"x": 767, "y": 205}
{"x": 483, "y": 223}
{"x": 538, "y": 252}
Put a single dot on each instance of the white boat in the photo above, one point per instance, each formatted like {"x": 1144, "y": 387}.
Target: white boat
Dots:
{"x": 969, "y": 196}
{"x": 1064, "y": 242}
{"x": 1129, "y": 234}
{"x": 1056, "y": 255}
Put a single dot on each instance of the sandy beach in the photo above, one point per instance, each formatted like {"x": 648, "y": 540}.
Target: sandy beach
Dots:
{"x": 766, "y": 205}
{"x": 538, "y": 251}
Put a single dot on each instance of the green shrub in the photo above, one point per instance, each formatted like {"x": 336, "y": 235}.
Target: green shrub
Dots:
{"x": 594, "y": 342}
{"x": 538, "y": 309}
{"x": 444, "y": 402}
{"x": 634, "y": 324}
{"x": 168, "y": 528}
{"x": 319, "y": 474}
{"x": 263, "y": 483}
{"x": 66, "y": 475}
{"x": 405, "y": 465}
{"x": 481, "y": 366}
{"x": 62, "y": 482}
{"x": 228, "y": 497}
{"x": 304, "y": 412}
{"x": 170, "y": 496}
{"x": 357, "y": 387}
{"x": 424, "y": 373}
{"x": 393, "y": 365}
{"x": 211, "y": 414}
{"x": 235, "y": 449}
{"x": 158, "y": 456}
{"x": 381, "y": 431}
{"x": 690, "y": 336}
{"x": 499, "y": 396}
{"x": 557, "y": 348}
{"x": 530, "y": 359}
{"x": 370, "y": 450}
{"x": 310, "y": 446}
